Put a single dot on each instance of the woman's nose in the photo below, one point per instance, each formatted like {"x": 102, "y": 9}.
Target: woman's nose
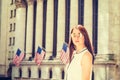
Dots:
{"x": 77, "y": 37}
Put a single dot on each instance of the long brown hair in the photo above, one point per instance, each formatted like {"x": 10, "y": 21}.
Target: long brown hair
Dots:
{"x": 86, "y": 42}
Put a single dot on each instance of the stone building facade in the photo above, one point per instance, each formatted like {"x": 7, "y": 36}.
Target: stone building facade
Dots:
{"x": 27, "y": 24}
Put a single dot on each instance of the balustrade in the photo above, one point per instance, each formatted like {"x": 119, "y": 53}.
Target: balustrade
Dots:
{"x": 48, "y": 70}
{"x": 104, "y": 69}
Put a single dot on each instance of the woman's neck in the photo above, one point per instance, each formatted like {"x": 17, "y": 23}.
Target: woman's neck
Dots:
{"x": 80, "y": 48}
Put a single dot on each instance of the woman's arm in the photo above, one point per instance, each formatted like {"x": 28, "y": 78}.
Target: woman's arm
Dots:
{"x": 86, "y": 66}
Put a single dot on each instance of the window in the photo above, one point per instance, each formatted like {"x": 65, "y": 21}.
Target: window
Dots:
{"x": 9, "y": 51}
{"x": 14, "y": 27}
{"x": 13, "y": 41}
{"x": 10, "y": 41}
{"x": 11, "y": 14}
{"x": 14, "y": 12}
{"x": 10, "y": 30}
{"x": 13, "y": 52}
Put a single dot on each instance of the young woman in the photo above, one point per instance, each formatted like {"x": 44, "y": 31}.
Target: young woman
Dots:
{"x": 80, "y": 56}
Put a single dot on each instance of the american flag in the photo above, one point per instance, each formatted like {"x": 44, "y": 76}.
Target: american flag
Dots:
{"x": 39, "y": 55}
{"x": 64, "y": 55}
{"x": 18, "y": 57}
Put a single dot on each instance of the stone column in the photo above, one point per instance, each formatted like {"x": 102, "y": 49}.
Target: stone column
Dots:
{"x": 39, "y": 24}
{"x": 105, "y": 53}
{"x": 73, "y": 13}
{"x": 103, "y": 38}
{"x": 49, "y": 29}
{"x": 114, "y": 31}
{"x": 4, "y": 37}
{"x": 20, "y": 25}
{"x": 29, "y": 29}
{"x": 88, "y": 17}
{"x": 114, "y": 27}
{"x": 103, "y": 26}
{"x": 61, "y": 26}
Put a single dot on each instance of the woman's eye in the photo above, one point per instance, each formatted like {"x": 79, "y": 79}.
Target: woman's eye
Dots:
{"x": 76, "y": 35}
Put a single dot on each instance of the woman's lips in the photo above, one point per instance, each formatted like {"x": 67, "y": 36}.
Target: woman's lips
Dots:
{"x": 76, "y": 41}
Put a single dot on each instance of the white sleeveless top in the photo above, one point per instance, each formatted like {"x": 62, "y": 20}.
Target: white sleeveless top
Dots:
{"x": 74, "y": 69}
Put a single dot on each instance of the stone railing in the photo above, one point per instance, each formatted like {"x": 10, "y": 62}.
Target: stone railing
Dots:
{"x": 104, "y": 69}
{"x": 48, "y": 70}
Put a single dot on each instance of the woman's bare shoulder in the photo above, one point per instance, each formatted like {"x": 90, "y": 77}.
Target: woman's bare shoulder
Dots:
{"x": 87, "y": 57}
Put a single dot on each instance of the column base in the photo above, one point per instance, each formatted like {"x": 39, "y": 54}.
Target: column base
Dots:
{"x": 105, "y": 57}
